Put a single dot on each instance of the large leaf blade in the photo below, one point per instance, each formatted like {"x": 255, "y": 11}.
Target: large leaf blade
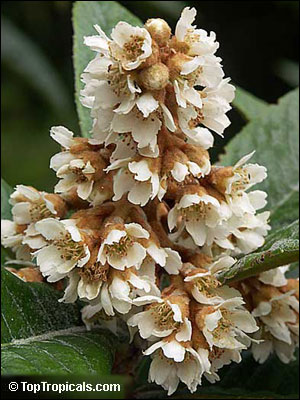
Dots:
{"x": 59, "y": 353}
{"x": 248, "y": 105}
{"x": 85, "y": 15}
{"x": 31, "y": 309}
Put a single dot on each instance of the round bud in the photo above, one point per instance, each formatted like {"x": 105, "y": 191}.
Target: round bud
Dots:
{"x": 155, "y": 77}
{"x": 159, "y": 30}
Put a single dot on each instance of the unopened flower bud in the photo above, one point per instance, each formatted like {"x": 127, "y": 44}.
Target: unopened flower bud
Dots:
{"x": 155, "y": 77}
{"x": 159, "y": 30}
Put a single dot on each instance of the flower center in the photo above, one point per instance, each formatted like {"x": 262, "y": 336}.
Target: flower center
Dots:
{"x": 39, "y": 210}
{"x": 164, "y": 316}
{"x": 206, "y": 285}
{"x": 120, "y": 248}
{"x": 192, "y": 79}
{"x": 195, "y": 212}
{"x": 224, "y": 326}
{"x": 117, "y": 81}
{"x": 80, "y": 176}
{"x": 94, "y": 273}
{"x": 133, "y": 48}
{"x": 244, "y": 180}
{"x": 191, "y": 37}
{"x": 69, "y": 249}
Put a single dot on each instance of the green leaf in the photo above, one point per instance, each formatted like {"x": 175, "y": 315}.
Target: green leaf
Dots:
{"x": 275, "y": 137}
{"x": 247, "y": 380}
{"x": 59, "y": 353}
{"x": 31, "y": 309}
{"x": 281, "y": 248}
{"x": 85, "y": 15}
{"x": 248, "y": 105}
{"x": 6, "y": 191}
{"x": 287, "y": 211}
{"x": 42, "y": 336}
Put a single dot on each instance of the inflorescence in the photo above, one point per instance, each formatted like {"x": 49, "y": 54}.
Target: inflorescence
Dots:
{"x": 140, "y": 201}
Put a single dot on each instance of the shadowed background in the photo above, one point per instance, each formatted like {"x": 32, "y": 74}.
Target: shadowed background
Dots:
{"x": 258, "y": 45}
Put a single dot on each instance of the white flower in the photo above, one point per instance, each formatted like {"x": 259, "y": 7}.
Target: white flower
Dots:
{"x": 277, "y": 315}
{"x": 173, "y": 363}
{"x": 249, "y": 231}
{"x": 130, "y": 245}
{"x": 212, "y": 114}
{"x": 161, "y": 318}
{"x": 203, "y": 71}
{"x": 200, "y": 215}
{"x": 30, "y": 205}
{"x": 226, "y": 326}
{"x": 269, "y": 345}
{"x": 243, "y": 202}
{"x": 65, "y": 250}
{"x": 144, "y": 129}
{"x": 115, "y": 294}
{"x": 12, "y": 238}
{"x": 107, "y": 88}
{"x": 200, "y": 43}
{"x": 215, "y": 105}
{"x": 136, "y": 178}
{"x": 76, "y": 173}
{"x": 73, "y": 171}
{"x": 137, "y": 113}
{"x": 130, "y": 45}
{"x": 88, "y": 284}
{"x": 121, "y": 248}
{"x": 139, "y": 127}
{"x": 204, "y": 286}
{"x": 125, "y": 84}
{"x": 245, "y": 176}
